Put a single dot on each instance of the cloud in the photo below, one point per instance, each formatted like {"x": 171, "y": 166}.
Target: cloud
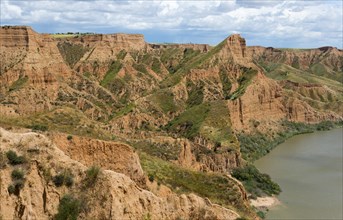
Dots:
{"x": 269, "y": 23}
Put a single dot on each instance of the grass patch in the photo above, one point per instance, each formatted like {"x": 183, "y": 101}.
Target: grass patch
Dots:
{"x": 14, "y": 159}
{"x": 121, "y": 55}
{"x": 188, "y": 123}
{"x": 224, "y": 78}
{"x": 243, "y": 81}
{"x": 38, "y": 127}
{"x": 217, "y": 127}
{"x": 161, "y": 150}
{"x": 124, "y": 111}
{"x": 66, "y": 120}
{"x": 195, "y": 95}
{"x": 140, "y": 68}
{"x": 91, "y": 176}
{"x": 18, "y": 84}
{"x": 111, "y": 73}
{"x": 164, "y": 99}
{"x": 72, "y": 53}
{"x": 156, "y": 65}
{"x": 195, "y": 61}
{"x": 218, "y": 188}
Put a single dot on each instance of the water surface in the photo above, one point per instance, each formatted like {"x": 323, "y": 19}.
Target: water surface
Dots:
{"x": 309, "y": 170}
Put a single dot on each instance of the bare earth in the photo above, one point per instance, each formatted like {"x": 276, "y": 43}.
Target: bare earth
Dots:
{"x": 265, "y": 202}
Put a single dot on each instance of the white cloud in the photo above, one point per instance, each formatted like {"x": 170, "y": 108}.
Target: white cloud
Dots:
{"x": 9, "y": 11}
{"x": 293, "y": 22}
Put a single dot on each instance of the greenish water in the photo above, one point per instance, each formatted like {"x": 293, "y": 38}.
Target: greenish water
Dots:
{"x": 309, "y": 170}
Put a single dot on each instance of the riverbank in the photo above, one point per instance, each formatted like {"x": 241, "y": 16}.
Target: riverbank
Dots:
{"x": 264, "y": 203}
{"x": 309, "y": 170}
{"x": 256, "y": 145}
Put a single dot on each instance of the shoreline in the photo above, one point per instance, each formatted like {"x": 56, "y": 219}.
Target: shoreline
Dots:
{"x": 264, "y": 203}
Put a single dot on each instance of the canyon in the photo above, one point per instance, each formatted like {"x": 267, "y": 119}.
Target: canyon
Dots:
{"x": 163, "y": 122}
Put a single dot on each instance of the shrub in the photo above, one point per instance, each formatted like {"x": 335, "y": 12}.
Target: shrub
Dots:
{"x": 17, "y": 174}
{"x": 151, "y": 178}
{"x": 38, "y": 127}
{"x": 68, "y": 180}
{"x": 11, "y": 189}
{"x": 69, "y": 137}
{"x": 15, "y": 187}
{"x": 63, "y": 178}
{"x": 14, "y": 158}
{"x": 58, "y": 180}
{"x": 68, "y": 208}
{"x": 261, "y": 214}
{"x": 92, "y": 175}
{"x": 256, "y": 182}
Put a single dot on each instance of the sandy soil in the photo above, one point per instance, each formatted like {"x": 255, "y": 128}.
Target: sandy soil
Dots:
{"x": 265, "y": 202}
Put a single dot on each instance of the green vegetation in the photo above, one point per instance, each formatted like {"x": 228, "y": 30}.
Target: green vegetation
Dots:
{"x": 18, "y": 181}
{"x": 217, "y": 128}
{"x": 68, "y": 209}
{"x": 38, "y": 127}
{"x": 195, "y": 95}
{"x": 11, "y": 189}
{"x": 164, "y": 99}
{"x": 66, "y": 120}
{"x": 256, "y": 183}
{"x": 261, "y": 214}
{"x": 69, "y": 137}
{"x": 92, "y": 175}
{"x": 209, "y": 120}
{"x": 121, "y": 55}
{"x": 218, "y": 188}
{"x": 111, "y": 73}
{"x": 63, "y": 35}
{"x": 295, "y": 62}
{"x": 188, "y": 123}
{"x": 226, "y": 82}
{"x": 18, "y": 84}
{"x": 71, "y": 52}
{"x": 244, "y": 82}
{"x": 317, "y": 74}
{"x": 17, "y": 174}
{"x": 14, "y": 159}
{"x": 140, "y": 68}
{"x": 257, "y": 145}
{"x": 125, "y": 110}
{"x": 163, "y": 151}
{"x": 156, "y": 65}
{"x": 197, "y": 60}
{"x": 64, "y": 178}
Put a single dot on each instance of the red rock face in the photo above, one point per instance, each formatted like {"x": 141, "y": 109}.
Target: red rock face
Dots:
{"x": 299, "y": 58}
{"x": 28, "y": 55}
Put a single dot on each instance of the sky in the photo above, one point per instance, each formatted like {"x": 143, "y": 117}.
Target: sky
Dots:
{"x": 275, "y": 23}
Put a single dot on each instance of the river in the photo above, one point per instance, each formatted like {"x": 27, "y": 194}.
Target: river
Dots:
{"x": 309, "y": 170}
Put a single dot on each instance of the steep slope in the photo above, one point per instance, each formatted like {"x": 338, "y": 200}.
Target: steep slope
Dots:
{"x": 324, "y": 61}
{"x": 31, "y": 71}
{"x": 191, "y": 112}
{"x": 313, "y": 76}
{"x": 38, "y": 196}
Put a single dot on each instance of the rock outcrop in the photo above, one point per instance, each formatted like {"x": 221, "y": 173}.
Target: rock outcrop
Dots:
{"x": 114, "y": 156}
{"x": 31, "y": 70}
{"x": 182, "y": 104}
{"x": 114, "y": 195}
